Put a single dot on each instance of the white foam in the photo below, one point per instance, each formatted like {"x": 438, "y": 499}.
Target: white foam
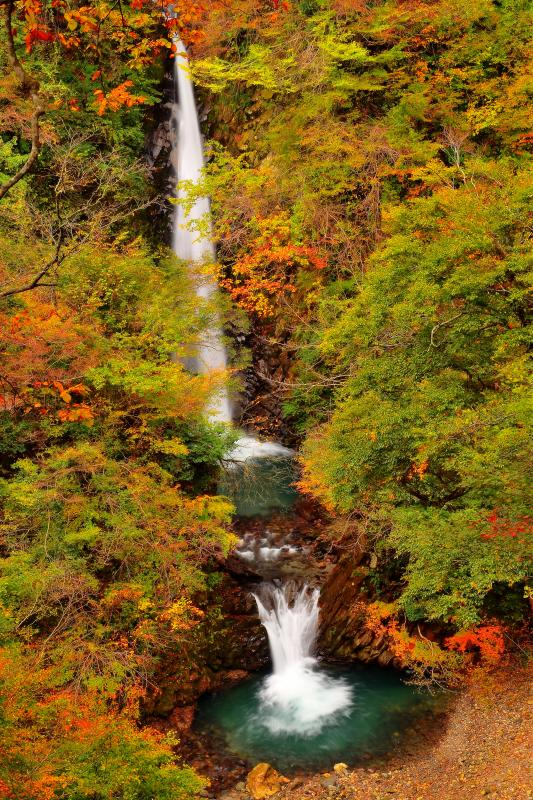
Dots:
{"x": 248, "y": 555}
{"x": 297, "y": 697}
{"x": 247, "y": 448}
{"x": 302, "y": 700}
{"x": 269, "y": 553}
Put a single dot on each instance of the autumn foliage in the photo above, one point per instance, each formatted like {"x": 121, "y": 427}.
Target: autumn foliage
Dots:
{"x": 487, "y": 640}
{"x": 267, "y": 274}
{"x": 103, "y": 548}
{"x": 106, "y": 525}
{"x": 370, "y": 189}
{"x": 370, "y": 182}
{"x": 52, "y": 731}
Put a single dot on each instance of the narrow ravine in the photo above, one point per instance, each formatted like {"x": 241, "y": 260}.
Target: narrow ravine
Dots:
{"x": 304, "y": 714}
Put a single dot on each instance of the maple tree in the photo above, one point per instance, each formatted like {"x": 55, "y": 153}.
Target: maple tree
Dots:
{"x": 58, "y": 743}
{"x": 104, "y": 447}
{"x": 111, "y": 46}
{"x": 488, "y": 639}
{"x": 103, "y": 547}
{"x": 264, "y": 276}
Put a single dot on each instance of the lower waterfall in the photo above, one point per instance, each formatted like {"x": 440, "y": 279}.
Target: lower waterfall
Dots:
{"x": 304, "y": 714}
{"x": 297, "y": 697}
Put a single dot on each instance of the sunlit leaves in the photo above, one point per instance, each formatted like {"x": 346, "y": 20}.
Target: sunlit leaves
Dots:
{"x": 426, "y": 424}
{"x": 116, "y": 98}
{"x": 58, "y": 742}
{"x": 268, "y": 272}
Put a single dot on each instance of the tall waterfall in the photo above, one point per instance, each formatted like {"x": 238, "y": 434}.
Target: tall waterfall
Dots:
{"x": 298, "y": 697}
{"x": 191, "y": 240}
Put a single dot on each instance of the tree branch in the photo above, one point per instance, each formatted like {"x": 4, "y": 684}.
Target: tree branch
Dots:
{"x": 441, "y": 325}
{"x": 30, "y": 85}
{"x": 37, "y": 280}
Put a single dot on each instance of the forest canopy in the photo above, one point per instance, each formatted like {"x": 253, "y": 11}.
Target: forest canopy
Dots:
{"x": 369, "y": 170}
{"x": 105, "y": 452}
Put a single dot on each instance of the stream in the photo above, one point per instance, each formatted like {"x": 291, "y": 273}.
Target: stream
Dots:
{"x": 304, "y": 714}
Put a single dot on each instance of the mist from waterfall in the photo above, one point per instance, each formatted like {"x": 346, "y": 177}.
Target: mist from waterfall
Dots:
{"x": 191, "y": 234}
{"x": 297, "y": 698}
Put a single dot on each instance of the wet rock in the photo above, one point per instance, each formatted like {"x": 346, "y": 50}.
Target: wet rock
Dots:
{"x": 239, "y": 568}
{"x": 264, "y": 781}
{"x": 182, "y": 718}
{"x": 342, "y": 634}
{"x": 262, "y": 396}
{"x": 340, "y": 621}
{"x": 234, "y": 676}
{"x": 385, "y": 658}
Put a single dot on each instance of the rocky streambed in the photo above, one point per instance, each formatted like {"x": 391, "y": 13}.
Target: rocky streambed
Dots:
{"x": 231, "y": 647}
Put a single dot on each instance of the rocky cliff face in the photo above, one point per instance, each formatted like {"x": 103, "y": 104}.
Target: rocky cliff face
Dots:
{"x": 343, "y": 635}
{"x": 227, "y": 646}
{"x": 263, "y": 387}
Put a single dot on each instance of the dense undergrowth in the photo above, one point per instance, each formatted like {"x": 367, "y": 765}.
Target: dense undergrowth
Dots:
{"x": 106, "y": 456}
{"x": 369, "y": 176}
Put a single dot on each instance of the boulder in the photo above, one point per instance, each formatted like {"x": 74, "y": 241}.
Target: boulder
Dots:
{"x": 328, "y": 780}
{"x": 264, "y": 781}
{"x": 340, "y": 767}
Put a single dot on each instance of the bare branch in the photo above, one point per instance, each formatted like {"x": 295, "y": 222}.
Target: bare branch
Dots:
{"x": 441, "y": 325}
{"x": 86, "y": 208}
{"x": 27, "y": 84}
{"x": 38, "y": 279}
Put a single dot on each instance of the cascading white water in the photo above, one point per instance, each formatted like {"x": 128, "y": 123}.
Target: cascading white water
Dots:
{"x": 248, "y": 448}
{"x": 297, "y": 698}
{"x": 191, "y": 240}
{"x": 291, "y": 627}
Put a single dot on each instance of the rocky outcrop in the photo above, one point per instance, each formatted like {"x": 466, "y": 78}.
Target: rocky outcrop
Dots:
{"x": 343, "y": 635}
{"x": 264, "y": 383}
{"x": 227, "y": 646}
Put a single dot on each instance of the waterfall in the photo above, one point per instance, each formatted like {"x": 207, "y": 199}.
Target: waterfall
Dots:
{"x": 192, "y": 242}
{"x": 191, "y": 234}
{"x": 298, "y": 697}
{"x": 292, "y": 627}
